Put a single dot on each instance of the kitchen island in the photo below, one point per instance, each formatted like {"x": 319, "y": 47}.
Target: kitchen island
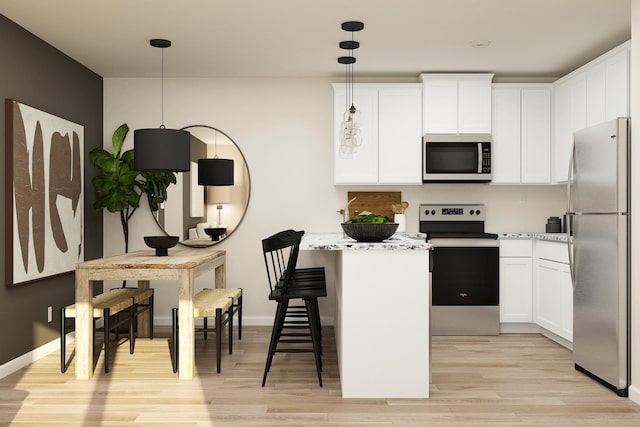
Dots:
{"x": 381, "y": 314}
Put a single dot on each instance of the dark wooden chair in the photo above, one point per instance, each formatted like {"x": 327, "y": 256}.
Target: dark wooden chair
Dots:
{"x": 296, "y": 328}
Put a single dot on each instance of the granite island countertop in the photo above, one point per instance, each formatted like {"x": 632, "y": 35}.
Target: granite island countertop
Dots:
{"x": 337, "y": 242}
{"x": 552, "y": 237}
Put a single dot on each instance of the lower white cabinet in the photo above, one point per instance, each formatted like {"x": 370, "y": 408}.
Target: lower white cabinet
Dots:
{"x": 516, "y": 281}
{"x": 553, "y": 293}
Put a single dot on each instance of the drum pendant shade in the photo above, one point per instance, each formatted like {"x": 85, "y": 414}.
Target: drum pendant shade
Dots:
{"x": 215, "y": 171}
{"x": 162, "y": 150}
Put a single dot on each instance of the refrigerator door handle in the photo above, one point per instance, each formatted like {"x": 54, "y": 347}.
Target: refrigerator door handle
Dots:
{"x": 569, "y": 226}
{"x": 570, "y": 179}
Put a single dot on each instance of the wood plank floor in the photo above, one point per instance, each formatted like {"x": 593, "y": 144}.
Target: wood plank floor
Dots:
{"x": 510, "y": 380}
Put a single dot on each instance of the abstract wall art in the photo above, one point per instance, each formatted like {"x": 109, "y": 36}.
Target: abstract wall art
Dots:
{"x": 44, "y": 194}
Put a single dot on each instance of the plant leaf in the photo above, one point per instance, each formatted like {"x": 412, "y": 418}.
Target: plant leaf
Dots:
{"x": 118, "y": 139}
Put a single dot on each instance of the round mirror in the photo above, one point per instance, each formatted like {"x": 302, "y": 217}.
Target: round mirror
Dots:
{"x": 205, "y": 215}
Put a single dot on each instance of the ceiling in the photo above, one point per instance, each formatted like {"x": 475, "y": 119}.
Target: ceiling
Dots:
{"x": 299, "y": 38}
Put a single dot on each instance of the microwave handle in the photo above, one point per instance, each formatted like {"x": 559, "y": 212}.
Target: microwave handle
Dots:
{"x": 479, "y": 157}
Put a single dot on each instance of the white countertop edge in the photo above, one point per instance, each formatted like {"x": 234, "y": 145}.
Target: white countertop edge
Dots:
{"x": 553, "y": 237}
{"x": 337, "y": 242}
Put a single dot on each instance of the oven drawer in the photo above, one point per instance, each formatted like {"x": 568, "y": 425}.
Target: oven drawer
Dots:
{"x": 465, "y": 276}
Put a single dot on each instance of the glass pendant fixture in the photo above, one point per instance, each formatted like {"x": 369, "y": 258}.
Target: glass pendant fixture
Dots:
{"x": 161, "y": 149}
{"x": 350, "y": 134}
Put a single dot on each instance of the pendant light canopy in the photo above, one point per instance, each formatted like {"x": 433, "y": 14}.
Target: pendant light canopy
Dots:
{"x": 161, "y": 149}
{"x": 350, "y": 135}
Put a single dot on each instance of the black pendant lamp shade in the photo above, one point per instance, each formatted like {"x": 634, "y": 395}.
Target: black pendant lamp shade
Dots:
{"x": 215, "y": 171}
{"x": 161, "y": 150}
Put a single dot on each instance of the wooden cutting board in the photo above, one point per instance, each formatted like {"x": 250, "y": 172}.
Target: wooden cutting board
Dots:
{"x": 376, "y": 202}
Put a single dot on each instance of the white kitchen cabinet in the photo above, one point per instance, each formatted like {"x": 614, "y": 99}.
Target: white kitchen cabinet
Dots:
{"x": 391, "y": 149}
{"x": 516, "y": 281}
{"x": 456, "y": 103}
{"x": 553, "y": 290}
{"x": 570, "y": 116}
{"x": 594, "y": 93}
{"x": 521, "y": 149}
{"x": 608, "y": 89}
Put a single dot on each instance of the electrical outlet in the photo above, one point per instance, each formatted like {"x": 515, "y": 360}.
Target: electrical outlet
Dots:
{"x": 49, "y": 314}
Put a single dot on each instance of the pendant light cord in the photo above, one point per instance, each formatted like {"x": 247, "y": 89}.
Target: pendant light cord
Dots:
{"x": 162, "y": 90}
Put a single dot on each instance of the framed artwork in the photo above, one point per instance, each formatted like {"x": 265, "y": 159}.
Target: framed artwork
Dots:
{"x": 44, "y": 194}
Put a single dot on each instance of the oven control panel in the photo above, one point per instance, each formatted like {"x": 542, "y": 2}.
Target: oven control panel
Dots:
{"x": 452, "y": 212}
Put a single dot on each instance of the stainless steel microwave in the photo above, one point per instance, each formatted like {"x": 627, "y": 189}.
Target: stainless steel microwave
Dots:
{"x": 456, "y": 158}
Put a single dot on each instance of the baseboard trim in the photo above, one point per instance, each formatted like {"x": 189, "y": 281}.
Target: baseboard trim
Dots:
{"x": 634, "y": 394}
{"x": 519, "y": 328}
{"x": 28, "y": 358}
{"x": 557, "y": 338}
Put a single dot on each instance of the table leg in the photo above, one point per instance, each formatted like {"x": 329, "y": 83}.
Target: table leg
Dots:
{"x": 144, "y": 323}
{"x": 84, "y": 326}
{"x": 186, "y": 331}
{"x": 221, "y": 275}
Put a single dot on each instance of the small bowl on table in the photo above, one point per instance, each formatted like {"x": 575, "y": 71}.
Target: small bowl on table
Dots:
{"x": 161, "y": 243}
{"x": 215, "y": 232}
{"x": 371, "y": 233}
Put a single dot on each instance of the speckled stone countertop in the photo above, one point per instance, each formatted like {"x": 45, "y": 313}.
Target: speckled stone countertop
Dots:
{"x": 336, "y": 242}
{"x": 552, "y": 237}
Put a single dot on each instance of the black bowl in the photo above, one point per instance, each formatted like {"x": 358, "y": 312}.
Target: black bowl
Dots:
{"x": 161, "y": 243}
{"x": 369, "y": 232}
{"x": 215, "y": 232}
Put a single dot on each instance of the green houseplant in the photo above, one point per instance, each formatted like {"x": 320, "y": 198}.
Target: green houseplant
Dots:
{"x": 119, "y": 186}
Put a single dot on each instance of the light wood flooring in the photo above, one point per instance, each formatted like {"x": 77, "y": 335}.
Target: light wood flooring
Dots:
{"x": 510, "y": 380}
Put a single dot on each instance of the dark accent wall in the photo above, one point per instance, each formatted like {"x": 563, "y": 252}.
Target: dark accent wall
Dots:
{"x": 35, "y": 73}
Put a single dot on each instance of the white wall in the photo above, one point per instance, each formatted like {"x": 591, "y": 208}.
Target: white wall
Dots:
{"x": 284, "y": 128}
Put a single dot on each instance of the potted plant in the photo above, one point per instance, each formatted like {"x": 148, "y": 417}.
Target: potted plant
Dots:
{"x": 120, "y": 186}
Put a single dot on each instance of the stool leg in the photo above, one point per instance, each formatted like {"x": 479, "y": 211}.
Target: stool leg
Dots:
{"x": 151, "y": 316}
{"x": 132, "y": 319}
{"x": 174, "y": 336}
{"x": 230, "y": 317}
{"x": 313, "y": 325}
{"x": 63, "y": 342}
{"x": 240, "y": 315}
{"x": 278, "y": 322}
{"x": 218, "y": 338}
{"x": 106, "y": 315}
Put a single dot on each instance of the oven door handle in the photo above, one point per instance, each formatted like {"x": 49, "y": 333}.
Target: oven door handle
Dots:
{"x": 463, "y": 243}
{"x": 479, "y": 157}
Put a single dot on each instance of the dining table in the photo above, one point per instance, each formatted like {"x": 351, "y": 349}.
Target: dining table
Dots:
{"x": 183, "y": 265}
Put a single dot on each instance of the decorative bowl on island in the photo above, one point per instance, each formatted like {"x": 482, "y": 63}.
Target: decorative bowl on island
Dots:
{"x": 215, "y": 232}
{"x": 363, "y": 232}
{"x": 161, "y": 243}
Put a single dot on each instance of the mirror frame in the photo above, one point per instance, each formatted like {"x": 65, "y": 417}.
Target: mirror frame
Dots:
{"x": 246, "y": 207}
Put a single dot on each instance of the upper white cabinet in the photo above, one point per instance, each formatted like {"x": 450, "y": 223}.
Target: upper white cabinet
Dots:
{"x": 594, "y": 93}
{"x": 391, "y": 150}
{"x": 456, "y": 103}
{"x": 521, "y": 128}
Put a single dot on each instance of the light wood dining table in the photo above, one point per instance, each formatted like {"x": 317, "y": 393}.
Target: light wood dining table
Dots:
{"x": 182, "y": 264}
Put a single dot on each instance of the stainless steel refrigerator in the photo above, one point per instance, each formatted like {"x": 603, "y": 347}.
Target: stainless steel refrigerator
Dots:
{"x": 599, "y": 252}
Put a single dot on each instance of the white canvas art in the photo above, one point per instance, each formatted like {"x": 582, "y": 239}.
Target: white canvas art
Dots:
{"x": 45, "y": 175}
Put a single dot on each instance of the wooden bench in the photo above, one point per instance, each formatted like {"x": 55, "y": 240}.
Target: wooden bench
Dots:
{"x": 220, "y": 304}
{"x": 107, "y": 305}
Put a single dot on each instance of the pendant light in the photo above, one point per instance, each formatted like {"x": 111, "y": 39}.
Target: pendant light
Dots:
{"x": 161, "y": 149}
{"x": 350, "y": 135}
{"x": 216, "y": 171}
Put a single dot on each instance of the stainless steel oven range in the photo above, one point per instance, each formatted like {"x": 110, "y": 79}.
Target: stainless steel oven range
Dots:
{"x": 465, "y": 270}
